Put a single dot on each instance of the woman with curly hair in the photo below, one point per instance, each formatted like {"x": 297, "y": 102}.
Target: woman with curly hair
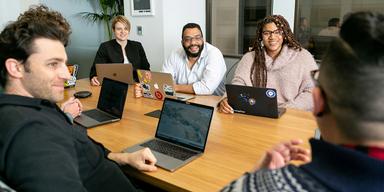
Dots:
{"x": 277, "y": 61}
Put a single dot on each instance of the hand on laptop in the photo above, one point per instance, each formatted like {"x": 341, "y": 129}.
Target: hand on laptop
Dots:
{"x": 142, "y": 160}
{"x": 72, "y": 106}
{"x": 281, "y": 155}
{"x": 138, "y": 90}
{"x": 224, "y": 107}
{"x": 94, "y": 81}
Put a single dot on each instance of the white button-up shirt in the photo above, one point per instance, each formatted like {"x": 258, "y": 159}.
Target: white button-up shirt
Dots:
{"x": 206, "y": 74}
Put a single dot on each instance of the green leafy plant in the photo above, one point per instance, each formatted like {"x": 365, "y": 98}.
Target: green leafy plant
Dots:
{"x": 108, "y": 10}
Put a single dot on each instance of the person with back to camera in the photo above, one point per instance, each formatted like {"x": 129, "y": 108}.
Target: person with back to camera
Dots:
{"x": 41, "y": 150}
{"x": 276, "y": 61}
{"x": 348, "y": 107}
{"x": 120, "y": 50}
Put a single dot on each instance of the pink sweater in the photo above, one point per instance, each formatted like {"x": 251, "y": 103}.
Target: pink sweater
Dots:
{"x": 289, "y": 74}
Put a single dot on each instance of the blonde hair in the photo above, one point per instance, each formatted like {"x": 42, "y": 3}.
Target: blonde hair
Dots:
{"x": 122, "y": 19}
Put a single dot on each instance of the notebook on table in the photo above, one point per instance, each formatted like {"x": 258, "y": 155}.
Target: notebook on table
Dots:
{"x": 158, "y": 85}
{"x": 110, "y": 106}
{"x": 117, "y": 71}
{"x": 181, "y": 134}
{"x": 254, "y": 101}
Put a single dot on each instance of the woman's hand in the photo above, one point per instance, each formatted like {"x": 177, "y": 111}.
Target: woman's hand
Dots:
{"x": 94, "y": 81}
{"x": 224, "y": 107}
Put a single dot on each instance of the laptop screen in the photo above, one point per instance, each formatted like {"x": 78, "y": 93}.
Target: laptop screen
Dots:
{"x": 185, "y": 123}
{"x": 112, "y": 97}
{"x": 253, "y": 100}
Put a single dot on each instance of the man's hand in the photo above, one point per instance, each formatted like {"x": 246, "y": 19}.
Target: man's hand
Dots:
{"x": 94, "y": 81}
{"x": 283, "y": 153}
{"x": 142, "y": 160}
{"x": 224, "y": 107}
{"x": 138, "y": 90}
{"x": 72, "y": 106}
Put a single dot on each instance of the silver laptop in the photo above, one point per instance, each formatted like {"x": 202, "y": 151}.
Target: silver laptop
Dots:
{"x": 158, "y": 85}
{"x": 181, "y": 134}
{"x": 117, "y": 71}
{"x": 110, "y": 106}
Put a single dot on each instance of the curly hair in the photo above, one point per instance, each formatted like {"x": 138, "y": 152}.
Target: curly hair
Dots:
{"x": 17, "y": 38}
{"x": 259, "y": 71}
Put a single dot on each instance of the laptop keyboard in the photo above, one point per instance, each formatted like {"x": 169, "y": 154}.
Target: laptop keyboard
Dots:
{"x": 98, "y": 115}
{"x": 169, "y": 149}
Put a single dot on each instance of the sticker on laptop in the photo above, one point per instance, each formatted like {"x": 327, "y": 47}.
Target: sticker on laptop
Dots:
{"x": 156, "y": 86}
{"x": 147, "y": 76}
{"x": 168, "y": 89}
{"x": 270, "y": 93}
{"x": 146, "y": 87}
{"x": 159, "y": 95}
{"x": 147, "y": 95}
{"x": 252, "y": 101}
{"x": 243, "y": 97}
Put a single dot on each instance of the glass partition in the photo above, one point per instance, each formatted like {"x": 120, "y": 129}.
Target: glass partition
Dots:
{"x": 318, "y": 22}
{"x": 231, "y": 24}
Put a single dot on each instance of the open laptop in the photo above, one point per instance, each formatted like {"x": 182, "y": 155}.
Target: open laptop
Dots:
{"x": 158, "y": 85}
{"x": 110, "y": 106}
{"x": 181, "y": 134}
{"x": 254, "y": 101}
{"x": 117, "y": 71}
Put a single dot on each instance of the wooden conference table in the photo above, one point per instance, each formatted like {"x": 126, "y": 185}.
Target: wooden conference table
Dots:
{"x": 235, "y": 142}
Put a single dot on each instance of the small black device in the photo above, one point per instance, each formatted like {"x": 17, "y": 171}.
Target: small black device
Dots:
{"x": 82, "y": 94}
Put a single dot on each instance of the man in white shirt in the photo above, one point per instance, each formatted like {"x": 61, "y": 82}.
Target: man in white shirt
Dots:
{"x": 197, "y": 68}
{"x": 333, "y": 28}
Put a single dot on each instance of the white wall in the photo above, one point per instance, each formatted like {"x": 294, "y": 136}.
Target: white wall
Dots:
{"x": 285, "y": 8}
{"x": 152, "y": 37}
{"x": 177, "y": 13}
{"x": 162, "y": 31}
{"x": 85, "y": 38}
{"x": 10, "y": 10}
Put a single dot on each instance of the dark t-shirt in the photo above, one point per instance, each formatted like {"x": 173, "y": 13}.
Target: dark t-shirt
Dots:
{"x": 42, "y": 151}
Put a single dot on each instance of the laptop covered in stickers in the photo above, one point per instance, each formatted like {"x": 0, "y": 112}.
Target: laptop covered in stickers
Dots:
{"x": 158, "y": 85}
{"x": 254, "y": 101}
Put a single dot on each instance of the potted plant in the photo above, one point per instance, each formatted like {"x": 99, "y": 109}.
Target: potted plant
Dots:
{"x": 108, "y": 10}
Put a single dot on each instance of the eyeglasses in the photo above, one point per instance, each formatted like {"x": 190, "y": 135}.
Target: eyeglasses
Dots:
{"x": 315, "y": 77}
{"x": 190, "y": 39}
{"x": 275, "y": 32}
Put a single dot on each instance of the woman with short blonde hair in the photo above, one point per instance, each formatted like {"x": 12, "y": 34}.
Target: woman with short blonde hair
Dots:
{"x": 120, "y": 50}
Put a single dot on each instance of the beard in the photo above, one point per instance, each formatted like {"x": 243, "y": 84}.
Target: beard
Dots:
{"x": 40, "y": 87}
{"x": 194, "y": 55}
